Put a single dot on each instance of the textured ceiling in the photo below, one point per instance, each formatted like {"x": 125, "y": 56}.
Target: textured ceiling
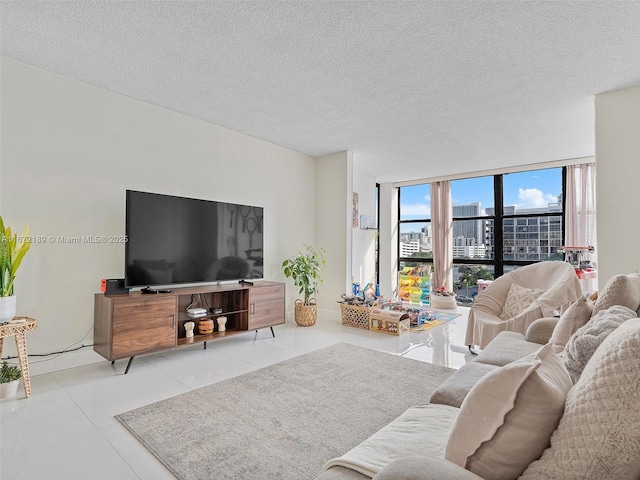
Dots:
{"x": 413, "y": 89}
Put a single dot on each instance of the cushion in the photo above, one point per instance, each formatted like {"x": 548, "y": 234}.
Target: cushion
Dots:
{"x": 576, "y": 316}
{"x": 507, "y": 347}
{"x": 507, "y": 418}
{"x": 518, "y": 299}
{"x": 620, "y": 290}
{"x": 420, "y": 429}
{"x": 424, "y": 467}
{"x": 599, "y": 433}
{"x": 583, "y": 344}
{"x": 455, "y": 388}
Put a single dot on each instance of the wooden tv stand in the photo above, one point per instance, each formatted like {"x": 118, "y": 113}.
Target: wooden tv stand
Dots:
{"x": 131, "y": 324}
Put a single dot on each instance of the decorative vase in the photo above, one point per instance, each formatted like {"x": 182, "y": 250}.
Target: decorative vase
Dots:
{"x": 222, "y": 322}
{"x": 188, "y": 327}
{"x": 7, "y": 308}
{"x": 205, "y": 327}
{"x": 306, "y": 315}
{"x": 9, "y": 389}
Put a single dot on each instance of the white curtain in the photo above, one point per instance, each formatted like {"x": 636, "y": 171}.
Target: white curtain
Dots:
{"x": 441, "y": 227}
{"x": 580, "y": 212}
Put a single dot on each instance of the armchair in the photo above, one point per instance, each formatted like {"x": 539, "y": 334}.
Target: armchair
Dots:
{"x": 561, "y": 287}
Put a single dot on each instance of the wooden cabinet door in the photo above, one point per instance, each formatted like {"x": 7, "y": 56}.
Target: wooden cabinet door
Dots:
{"x": 143, "y": 325}
{"x": 266, "y": 305}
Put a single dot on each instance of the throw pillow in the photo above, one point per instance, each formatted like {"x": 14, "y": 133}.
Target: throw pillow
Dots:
{"x": 583, "y": 344}
{"x": 620, "y": 290}
{"x": 574, "y": 317}
{"x": 518, "y": 299}
{"x": 599, "y": 433}
{"x": 507, "y": 418}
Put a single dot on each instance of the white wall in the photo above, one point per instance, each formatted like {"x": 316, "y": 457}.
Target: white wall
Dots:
{"x": 363, "y": 261}
{"x": 334, "y": 177}
{"x": 618, "y": 181}
{"x": 70, "y": 150}
{"x": 389, "y": 237}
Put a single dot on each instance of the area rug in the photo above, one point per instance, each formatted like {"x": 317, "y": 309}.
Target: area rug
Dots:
{"x": 286, "y": 420}
{"x": 436, "y": 317}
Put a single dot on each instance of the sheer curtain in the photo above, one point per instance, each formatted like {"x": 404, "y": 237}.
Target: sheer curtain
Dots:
{"x": 441, "y": 228}
{"x": 580, "y": 212}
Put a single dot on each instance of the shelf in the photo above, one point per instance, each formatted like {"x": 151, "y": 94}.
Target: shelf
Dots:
{"x": 206, "y": 338}
{"x": 183, "y": 317}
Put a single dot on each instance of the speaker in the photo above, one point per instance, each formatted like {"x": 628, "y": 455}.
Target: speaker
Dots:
{"x": 112, "y": 286}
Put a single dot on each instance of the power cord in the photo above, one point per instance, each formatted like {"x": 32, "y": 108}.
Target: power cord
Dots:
{"x": 57, "y": 354}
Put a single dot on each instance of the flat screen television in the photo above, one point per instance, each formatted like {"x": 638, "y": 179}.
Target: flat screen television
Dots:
{"x": 177, "y": 240}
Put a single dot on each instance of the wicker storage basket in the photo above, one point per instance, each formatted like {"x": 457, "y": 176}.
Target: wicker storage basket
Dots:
{"x": 355, "y": 315}
{"x": 306, "y": 315}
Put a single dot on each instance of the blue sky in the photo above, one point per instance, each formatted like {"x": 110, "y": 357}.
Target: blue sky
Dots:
{"x": 529, "y": 189}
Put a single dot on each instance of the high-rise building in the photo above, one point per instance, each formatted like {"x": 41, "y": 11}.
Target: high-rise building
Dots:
{"x": 529, "y": 238}
{"x": 468, "y": 228}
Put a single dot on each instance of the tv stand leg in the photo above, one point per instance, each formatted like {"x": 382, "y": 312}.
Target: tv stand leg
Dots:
{"x": 126, "y": 370}
{"x": 273, "y": 334}
{"x": 205, "y": 345}
{"x": 113, "y": 362}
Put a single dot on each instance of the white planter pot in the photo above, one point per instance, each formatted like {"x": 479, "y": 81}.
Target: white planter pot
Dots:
{"x": 7, "y": 308}
{"x": 443, "y": 303}
{"x": 9, "y": 389}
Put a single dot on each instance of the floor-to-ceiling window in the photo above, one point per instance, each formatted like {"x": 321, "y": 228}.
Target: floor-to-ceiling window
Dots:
{"x": 500, "y": 222}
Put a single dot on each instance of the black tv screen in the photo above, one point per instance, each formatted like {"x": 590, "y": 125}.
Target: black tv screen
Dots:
{"x": 176, "y": 240}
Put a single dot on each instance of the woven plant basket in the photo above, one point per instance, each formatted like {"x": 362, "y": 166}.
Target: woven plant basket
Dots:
{"x": 306, "y": 315}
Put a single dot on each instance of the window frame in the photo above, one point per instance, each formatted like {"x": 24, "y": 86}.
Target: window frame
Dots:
{"x": 498, "y": 262}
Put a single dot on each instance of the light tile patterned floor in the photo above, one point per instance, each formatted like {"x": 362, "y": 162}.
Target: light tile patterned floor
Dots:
{"x": 66, "y": 430}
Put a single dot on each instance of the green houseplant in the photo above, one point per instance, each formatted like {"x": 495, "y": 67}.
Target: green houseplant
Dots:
{"x": 306, "y": 270}
{"x": 12, "y": 250}
{"x": 9, "y": 376}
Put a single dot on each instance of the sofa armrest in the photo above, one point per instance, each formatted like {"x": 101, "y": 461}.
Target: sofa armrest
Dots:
{"x": 540, "y": 331}
{"x": 424, "y": 468}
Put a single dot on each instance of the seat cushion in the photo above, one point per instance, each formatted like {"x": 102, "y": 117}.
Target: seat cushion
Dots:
{"x": 455, "y": 388}
{"x": 508, "y": 417}
{"x": 507, "y": 347}
{"x": 599, "y": 433}
{"x": 421, "y": 430}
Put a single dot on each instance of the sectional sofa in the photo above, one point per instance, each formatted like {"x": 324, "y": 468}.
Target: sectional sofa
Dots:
{"x": 562, "y": 401}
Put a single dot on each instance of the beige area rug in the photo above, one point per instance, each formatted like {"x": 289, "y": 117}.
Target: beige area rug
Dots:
{"x": 286, "y": 420}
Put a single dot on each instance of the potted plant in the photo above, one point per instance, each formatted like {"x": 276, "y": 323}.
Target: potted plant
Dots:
{"x": 9, "y": 378}
{"x": 306, "y": 271}
{"x": 12, "y": 251}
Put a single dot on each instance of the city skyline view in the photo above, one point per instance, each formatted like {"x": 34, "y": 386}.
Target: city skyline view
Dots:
{"x": 530, "y": 189}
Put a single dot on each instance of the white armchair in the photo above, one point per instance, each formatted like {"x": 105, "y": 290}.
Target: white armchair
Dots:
{"x": 561, "y": 288}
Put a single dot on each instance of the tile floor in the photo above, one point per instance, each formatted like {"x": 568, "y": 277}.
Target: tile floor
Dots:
{"x": 67, "y": 430}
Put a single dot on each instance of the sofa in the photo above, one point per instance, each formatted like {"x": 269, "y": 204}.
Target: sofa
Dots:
{"x": 560, "y": 401}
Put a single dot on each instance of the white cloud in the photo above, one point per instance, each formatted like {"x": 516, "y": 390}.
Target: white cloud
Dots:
{"x": 534, "y": 198}
{"x": 421, "y": 210}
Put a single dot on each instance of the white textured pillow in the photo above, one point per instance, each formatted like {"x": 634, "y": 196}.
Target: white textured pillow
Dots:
{"x": 599, "y": 433}
{"x": 574, "y": 317}
{"x": 518, "y": 299}
{"x": 583, "y": 344}
{"x": 507, "y": 418}
{"x": 620, "y": 290}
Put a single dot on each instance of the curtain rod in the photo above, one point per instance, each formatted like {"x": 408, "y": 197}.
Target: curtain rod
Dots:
{"x": 498, "y": 171}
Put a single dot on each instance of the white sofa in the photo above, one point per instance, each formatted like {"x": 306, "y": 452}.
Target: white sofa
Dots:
{"x": 526, "y": 419}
